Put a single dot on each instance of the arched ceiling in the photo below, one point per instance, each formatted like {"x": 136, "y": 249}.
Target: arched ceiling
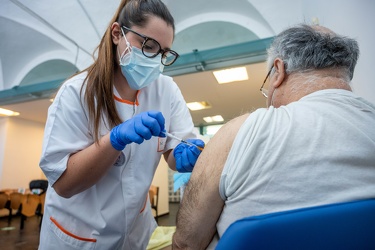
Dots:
{"x": 216, "y": 34}
{"x": 54, "y": 36}
{"x": 49, "y": 71}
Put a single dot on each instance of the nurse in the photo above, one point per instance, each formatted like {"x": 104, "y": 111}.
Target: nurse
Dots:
{"x": 105, "y": 135}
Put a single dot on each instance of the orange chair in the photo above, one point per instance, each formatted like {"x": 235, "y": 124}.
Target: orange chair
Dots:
{"x": 4, "y": 201}
{"x": 15, "y": 199}
{"x": 30, "y": 203}
{"x": 40, "y": 210}
{"x": 154, "y": 199}
{"x": 39, "y": 187}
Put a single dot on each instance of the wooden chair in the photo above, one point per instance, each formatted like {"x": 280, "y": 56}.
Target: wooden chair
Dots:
{"x": 4, "y": 202}
{"x": 30, "y": 203}
{"x": 154, "y": 199}
{"x": 40, "y": 210}
{"x": 15, "y": 199}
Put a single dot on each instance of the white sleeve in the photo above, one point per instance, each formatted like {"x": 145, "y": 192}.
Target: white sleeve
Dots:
{"x": 243, "y": 153}
{"x": 66, "y": 131}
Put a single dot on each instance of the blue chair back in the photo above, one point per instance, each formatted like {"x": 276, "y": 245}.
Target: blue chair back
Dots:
{"x": 348, "y": 225}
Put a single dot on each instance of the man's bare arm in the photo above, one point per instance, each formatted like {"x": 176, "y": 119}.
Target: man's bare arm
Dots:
{"x": 202, "y": 204}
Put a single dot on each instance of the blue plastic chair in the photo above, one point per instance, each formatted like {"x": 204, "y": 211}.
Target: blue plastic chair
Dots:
{"x": 348, "y": 225}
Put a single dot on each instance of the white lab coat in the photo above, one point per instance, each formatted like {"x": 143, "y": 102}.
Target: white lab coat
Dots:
{"x": 114, "y": 213}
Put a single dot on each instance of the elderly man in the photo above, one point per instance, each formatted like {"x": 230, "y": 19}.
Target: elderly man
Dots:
{"x": 313, "y": 145}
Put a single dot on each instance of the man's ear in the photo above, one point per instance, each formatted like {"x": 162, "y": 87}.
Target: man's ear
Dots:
{"x": 116, "y": 33}
{"x": 279, "y": 75}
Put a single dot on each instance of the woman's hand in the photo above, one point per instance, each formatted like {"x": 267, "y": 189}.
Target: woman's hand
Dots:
{"x": 137, "y": 129}
{"x": 187, "y": 155}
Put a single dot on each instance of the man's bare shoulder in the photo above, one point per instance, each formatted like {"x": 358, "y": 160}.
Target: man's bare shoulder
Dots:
{"x": 202, "y": 204}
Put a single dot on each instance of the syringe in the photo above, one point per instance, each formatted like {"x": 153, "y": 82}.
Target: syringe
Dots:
{"x": 183, "y": 141}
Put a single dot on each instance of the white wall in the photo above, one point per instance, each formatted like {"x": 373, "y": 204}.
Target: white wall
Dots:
{"x": 21, "y": 154}
{"x": 3, "y": 134}
{"x": 352, "y": 18}
{"x": 161, "y": 180}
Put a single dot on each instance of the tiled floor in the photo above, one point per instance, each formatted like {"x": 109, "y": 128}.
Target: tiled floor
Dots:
{"x": 12, "y": 238}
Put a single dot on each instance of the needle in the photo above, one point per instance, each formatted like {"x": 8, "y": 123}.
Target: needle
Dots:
{"x": 183, "y": 141}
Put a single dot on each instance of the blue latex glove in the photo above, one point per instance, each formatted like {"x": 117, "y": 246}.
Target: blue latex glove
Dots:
{"x": 137, "y": 129}
{"x": 186, "y": 156}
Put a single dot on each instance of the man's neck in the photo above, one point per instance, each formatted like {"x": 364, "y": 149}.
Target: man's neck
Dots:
{"x": 298, "y": 85}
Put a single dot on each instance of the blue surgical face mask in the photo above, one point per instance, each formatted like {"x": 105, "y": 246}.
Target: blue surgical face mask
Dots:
{"x": 139, "y": 71}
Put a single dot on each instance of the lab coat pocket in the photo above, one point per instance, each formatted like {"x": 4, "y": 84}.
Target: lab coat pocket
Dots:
{"x": 63, "y": 239}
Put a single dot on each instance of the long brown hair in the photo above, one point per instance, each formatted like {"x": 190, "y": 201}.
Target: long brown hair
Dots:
{"x": 99, "y": 80}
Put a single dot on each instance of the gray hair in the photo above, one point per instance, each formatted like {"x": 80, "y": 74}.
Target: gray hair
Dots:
{"x": 304, "y": 48}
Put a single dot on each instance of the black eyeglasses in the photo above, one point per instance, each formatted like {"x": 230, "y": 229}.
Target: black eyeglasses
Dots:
{"x": 263, "y": 90}
{"x": 151, "y": 48}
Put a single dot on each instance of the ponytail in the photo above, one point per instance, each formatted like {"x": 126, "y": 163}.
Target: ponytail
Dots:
{"x": 99, "y": 90}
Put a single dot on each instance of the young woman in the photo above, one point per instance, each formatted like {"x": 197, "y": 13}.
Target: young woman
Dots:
{"x": 105, "y": 135}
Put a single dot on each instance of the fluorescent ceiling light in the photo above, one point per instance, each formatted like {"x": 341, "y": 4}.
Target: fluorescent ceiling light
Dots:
{"x": 231, "y": 75}
{"x": 7, "y": 112}
{"x": 198, "y": 105}
{"x": 216, "y": 118}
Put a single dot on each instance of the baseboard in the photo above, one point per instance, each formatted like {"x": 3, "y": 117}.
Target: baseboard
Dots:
{"x": 160, "y": 215}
